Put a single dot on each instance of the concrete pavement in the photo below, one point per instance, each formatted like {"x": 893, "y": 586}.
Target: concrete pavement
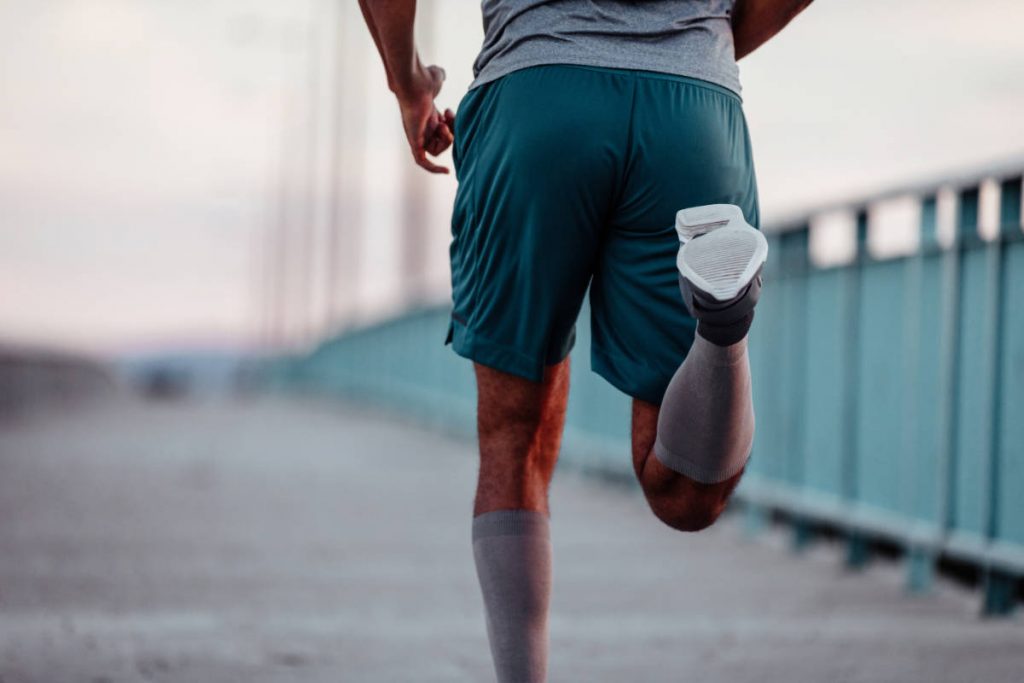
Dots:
{"x": 273, "y": 541}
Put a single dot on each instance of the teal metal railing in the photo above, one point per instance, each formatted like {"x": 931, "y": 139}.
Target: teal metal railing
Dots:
{"x": 886, "y": 393}
{"x": 887, "y": 390}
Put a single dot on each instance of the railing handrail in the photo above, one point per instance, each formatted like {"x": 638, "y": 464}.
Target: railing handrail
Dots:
{"x": 1009, "y": 167}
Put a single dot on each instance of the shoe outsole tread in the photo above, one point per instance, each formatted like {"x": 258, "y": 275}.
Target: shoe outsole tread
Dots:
{"x": 719, "y": 258}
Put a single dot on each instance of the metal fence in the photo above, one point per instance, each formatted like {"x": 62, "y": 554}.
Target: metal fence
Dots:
{"x": 887, "y": 390}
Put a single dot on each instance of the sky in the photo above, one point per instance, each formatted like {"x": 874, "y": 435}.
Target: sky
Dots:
{"x": 148, "y": 148}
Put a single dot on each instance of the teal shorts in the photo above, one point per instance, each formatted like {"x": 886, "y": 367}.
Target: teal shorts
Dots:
{"x": 570, "y": 177}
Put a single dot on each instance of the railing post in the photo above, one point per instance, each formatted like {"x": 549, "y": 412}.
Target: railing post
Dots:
{"x": 920, "y": 569}
{"x": 803, "y": 534}
{"x": 1010, "y": 207}
{"x": 856, "y": 547}
{"x": 921, "y": 549}
{"x": 858, "y": 552}
{"x": 799, "y": 264}
{"x": 999, "y": 587}
{"x": 949, "y": 354}
{"x": 795, "y": 260}
{"x": 1000, "y": 593}
{"x": 862, "y": 234}
{"x": 929, "y": 223}
{"x": 967, "y": 214}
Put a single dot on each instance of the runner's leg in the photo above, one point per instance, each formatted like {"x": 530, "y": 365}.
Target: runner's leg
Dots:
{"x": 520, "y": 430}
{"x": 708, "y": 402}
{"x": 689, "y": 148}
{"x": 536, "y": 186}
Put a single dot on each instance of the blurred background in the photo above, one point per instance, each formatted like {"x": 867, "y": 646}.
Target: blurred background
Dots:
{"x": 230, "y": 175}
{"x": 201, "y": 200}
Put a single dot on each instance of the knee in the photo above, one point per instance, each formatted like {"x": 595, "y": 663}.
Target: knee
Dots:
{"x": 507, "y": 425}
{"x": 686, "y": 515}
{"x": 511, "y": 442}
{"x": 517, "y": 458}
{"x": 684, "y": 504}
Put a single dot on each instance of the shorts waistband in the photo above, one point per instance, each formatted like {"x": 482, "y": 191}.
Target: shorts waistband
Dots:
{"x": 654, "y": 75}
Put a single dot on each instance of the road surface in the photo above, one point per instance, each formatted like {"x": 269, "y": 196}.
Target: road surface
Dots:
{"x": 285, "y": 541}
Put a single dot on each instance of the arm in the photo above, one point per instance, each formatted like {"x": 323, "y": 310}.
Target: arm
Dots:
{"x": 415, "y": 85}
{"x": 754, "y": 22}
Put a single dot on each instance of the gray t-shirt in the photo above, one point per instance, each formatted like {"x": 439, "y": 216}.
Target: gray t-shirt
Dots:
{"x": 683, "y": 37}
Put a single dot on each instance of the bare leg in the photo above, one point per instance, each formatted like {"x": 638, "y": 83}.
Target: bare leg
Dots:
{"x": 520, "y": 429}
{"x": 690, "y": 451}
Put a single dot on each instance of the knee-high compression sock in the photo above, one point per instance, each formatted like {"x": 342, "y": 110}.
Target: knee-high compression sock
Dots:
{"x": 512, "y": 549}
{"x": 706, "y": 422}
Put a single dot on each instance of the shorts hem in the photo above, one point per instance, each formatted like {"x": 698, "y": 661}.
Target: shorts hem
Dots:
{"x": 475, "y": 347}
{"x": 629, "y": 377}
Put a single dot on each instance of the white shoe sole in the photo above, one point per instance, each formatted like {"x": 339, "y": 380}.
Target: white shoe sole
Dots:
{"x": 720, "y": 253}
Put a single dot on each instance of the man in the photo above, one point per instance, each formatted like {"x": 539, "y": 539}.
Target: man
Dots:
{"x": 592, "y": 128}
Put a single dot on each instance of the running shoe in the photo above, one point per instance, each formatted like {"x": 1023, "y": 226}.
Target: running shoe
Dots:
{"x": 720, "y": 261}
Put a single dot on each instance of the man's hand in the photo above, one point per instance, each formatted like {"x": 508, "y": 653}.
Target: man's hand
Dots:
{"x": 426, "y": 129}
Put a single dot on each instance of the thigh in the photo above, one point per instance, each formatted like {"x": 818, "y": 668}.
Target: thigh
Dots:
{"x": 537, "y": 159}
{"x": 510, "y": 405}
{"x": 689, "y": 147}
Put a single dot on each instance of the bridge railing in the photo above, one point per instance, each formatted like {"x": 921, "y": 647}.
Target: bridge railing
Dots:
{"x": 887, "y": 389}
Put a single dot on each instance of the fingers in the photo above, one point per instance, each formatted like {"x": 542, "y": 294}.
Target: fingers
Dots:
{"x": 420, "y": 157}
{"x": 429, "y": 129}
{"x": 433, "y": 132}
{"x": 435, "y": 146}
{"x": 429, "y": 133}
{"x": 441, "y": 139}
{"x": 436, "y": 136}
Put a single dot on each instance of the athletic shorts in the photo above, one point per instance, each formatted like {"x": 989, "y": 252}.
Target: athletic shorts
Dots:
{"x": 570, "y": 177}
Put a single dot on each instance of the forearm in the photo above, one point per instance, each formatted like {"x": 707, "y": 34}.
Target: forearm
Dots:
{"x": 754, "y": 22}
{"x": 391, "y": 25}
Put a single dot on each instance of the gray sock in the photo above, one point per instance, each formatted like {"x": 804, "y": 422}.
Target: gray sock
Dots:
{"x": 512, "y": 549}
{"x": 706, "y": 423}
